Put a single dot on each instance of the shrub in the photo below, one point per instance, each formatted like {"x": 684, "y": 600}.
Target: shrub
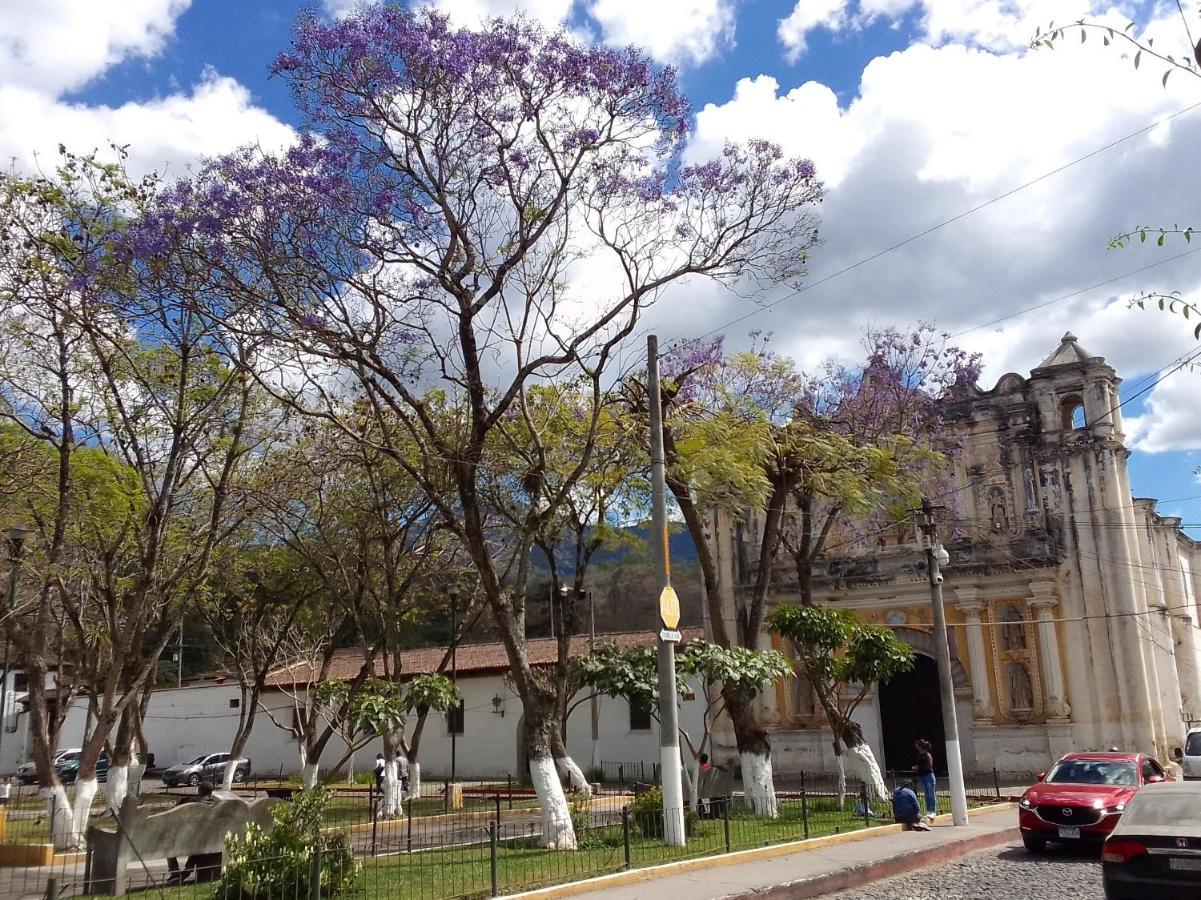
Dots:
{"x": 277, "y": 864}
{"x": 646, "y": 814}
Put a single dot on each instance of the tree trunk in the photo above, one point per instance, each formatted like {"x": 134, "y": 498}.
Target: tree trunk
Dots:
{"x": 85, "y": 793}
{"x": 557, "y": 830}
{"x": 754, "y": 750}
{"x": 308, "y": 775}
{"x": 58, "y": 811}
{"x": 861, "y": 764}
{"x": 567, "y": 768}
{"x": 231, "y": 768}
{"x": 116, "y": 786}
{"x": 391, "y": 807}
{"x": 414, "y": 780}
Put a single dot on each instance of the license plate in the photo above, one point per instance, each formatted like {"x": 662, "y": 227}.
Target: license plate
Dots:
{"x": 1184, "y": 865}
{"x": 1069, "y": 832}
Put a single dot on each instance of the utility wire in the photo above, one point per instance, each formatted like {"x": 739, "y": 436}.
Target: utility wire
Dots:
{"x": 933, "y": 228}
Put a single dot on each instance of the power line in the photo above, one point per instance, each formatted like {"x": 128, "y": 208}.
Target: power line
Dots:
{"x": 921, "y": 234}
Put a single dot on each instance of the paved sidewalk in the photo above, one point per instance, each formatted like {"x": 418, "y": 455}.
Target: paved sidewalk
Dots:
{"x": 823, "y": 868}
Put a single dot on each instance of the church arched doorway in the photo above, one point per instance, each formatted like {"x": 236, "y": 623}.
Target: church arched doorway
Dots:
{"x": 910, "y": 708}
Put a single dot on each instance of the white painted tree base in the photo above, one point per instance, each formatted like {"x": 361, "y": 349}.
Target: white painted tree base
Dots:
{"x": 862, "y": 766}
{"x": 759, "y": 785}
{"x": 308, "y": 776}
{"x": 841, "y": 790}
{"x": 414, "y": 780}
{"x": 117, "y": 788}
{"x": 557, "y": 830}
{"x": 566, "y": 766}
{"x": 227, "y": 778}
{"x": 58, "y": 811}
{"x": 391, "y": 805}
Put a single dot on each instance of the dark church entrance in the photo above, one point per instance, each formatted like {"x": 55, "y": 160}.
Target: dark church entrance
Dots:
{"x": 910, "y": 709}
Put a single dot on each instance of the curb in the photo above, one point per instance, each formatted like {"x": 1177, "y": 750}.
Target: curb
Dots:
{"x": 866, "y": 873}
{"x": 955, "y": 849}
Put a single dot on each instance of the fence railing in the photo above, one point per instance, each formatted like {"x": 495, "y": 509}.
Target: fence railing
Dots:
{"x": 492, "y": 845}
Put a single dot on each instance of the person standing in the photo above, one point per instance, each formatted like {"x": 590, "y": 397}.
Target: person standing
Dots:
{"x": 924, "y": 769}
{"x": 380, "y": 765}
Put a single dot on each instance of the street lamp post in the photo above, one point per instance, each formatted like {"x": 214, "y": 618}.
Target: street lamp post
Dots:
{"x": 454, "y": 674}
{"x": 593, "y": 702}
{"x": 936, "y": 558}
{"x": 16, "y": 536}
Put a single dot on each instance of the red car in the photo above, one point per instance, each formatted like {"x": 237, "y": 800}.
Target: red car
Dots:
{"x": 1082, "y": 796}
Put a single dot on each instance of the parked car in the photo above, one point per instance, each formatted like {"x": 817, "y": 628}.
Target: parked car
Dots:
{"x": 27, "y": 772}
{"x": 67, "y": 767}
{"x": 1155, "y": 850}
{"x": 206, "y": 767}
{"x": 1081, "y": 798}
{"x": 1189, "y": 756}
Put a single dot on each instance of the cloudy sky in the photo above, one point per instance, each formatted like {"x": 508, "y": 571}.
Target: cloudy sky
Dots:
{"x": 914, "y": 111}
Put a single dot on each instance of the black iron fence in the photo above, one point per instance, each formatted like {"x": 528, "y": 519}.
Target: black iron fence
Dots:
{"x": 493, "y": 844}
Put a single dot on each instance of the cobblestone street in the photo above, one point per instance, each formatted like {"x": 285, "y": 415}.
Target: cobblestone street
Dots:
{"x": 1006, "y": 872}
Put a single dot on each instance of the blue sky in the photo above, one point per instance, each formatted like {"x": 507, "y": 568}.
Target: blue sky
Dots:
{"x": 914, "y": 111}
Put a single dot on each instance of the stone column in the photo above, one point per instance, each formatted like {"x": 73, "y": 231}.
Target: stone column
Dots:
{"x": 1042, "y": 601}
{"x": 970, "y": 606}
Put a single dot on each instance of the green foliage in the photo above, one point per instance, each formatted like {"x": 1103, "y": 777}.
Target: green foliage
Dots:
{"x": 277, "y": 864}
{"x": 836, "y": 649}
{"x": 646, "y": 815}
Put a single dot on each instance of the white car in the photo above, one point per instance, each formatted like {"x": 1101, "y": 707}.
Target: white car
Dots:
{"x": 1189, "y": 757}
{"x": 27, "y": 772}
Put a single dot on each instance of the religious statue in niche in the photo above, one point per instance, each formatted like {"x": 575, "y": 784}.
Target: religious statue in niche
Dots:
{"x": 998, "y": 510}
{"x": 1013, "y": 632}
{"x": 1021, "y": 690}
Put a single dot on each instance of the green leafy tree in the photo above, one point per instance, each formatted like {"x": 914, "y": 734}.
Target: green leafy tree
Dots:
{"x": 632, "y": 674}
{"x": 842, "y": 659}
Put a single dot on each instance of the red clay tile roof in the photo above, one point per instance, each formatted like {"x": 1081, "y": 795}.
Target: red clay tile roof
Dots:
{"x": 473, "y": 659}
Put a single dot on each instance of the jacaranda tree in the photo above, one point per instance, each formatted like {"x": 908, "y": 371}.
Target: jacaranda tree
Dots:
{"x": 470, "y": 213}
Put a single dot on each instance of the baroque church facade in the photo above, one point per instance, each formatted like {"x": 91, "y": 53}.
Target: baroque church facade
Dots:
{"x": 1072, "y": 606}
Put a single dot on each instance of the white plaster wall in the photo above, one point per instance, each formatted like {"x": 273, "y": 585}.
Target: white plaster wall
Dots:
{"x": 185, "y": 722}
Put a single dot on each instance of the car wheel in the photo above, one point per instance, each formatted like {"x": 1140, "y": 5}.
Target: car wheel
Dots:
{"x": 193, "y": 779}
{"x": 1033, "y": 843}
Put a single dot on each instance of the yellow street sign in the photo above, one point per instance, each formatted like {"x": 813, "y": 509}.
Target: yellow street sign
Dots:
{"x": 669, "y": 608}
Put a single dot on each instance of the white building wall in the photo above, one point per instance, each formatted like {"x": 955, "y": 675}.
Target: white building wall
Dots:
{"x": 185, "y": 722}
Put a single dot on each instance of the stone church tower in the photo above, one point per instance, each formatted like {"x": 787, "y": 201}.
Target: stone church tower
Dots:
{"x": 1071, "y": 605}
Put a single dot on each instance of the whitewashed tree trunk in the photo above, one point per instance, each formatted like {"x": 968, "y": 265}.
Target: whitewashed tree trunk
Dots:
{"x": 308, "y": 776}
{"x": 841, "y": 760}
{"x": 117, "y": 787}
{"x": 758, "y": 784}
{"x": 861, "y": 763}
{"x": 392, "y": 807}
{"x": 227, "y": 777}
{"x": 58, "y": 811}
{"x": 566, "y": 766}
{"x": 692, "y": 780}
{"x": 414, "y": 780}
{"x": 557, "y": 830}
{"x": 350, "y": 768}
{"x": 85, "y": 793}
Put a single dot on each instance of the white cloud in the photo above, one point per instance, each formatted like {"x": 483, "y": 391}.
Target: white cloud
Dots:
{"x": 996, "y": 24}
{"x": 551, "y": 13}
{"x": 671, "y": 31}
{"x": 1169, "y": 421}
{"x": 50, "y": 48}
{"x": 935, "y": 131}
{"x": 806, "y": 16}
{"x": 167, "y": 133}
{"x": 60, "y": 45}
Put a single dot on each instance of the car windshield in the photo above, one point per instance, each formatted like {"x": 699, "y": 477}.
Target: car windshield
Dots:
{"x": 1093, "y": 771}
{"x": 195, "y": 762}
{"x": 1192, "y": 747}
{"x": 69, "y": 757}
{"x": 1164, "y": 808}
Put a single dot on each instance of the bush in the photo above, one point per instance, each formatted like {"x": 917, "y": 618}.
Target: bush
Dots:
{"x": 277, "y": 864}
{"x": 646, "y": 814}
